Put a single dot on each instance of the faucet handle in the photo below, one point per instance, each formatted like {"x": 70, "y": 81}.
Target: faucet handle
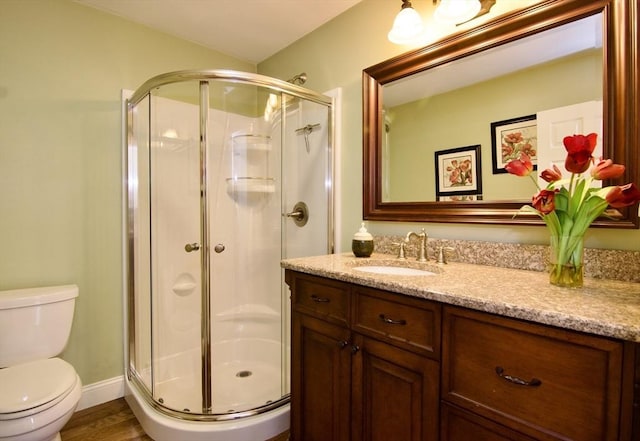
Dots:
{"x": 401, "y": 254}
{"x": 442, "y": 254}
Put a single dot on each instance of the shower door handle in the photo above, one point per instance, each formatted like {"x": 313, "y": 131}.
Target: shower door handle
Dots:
{"x": 192, "y": 247}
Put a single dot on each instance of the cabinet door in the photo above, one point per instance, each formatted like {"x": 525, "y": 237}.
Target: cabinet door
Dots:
{"x": 395, "y": 393}
{"x": 320, "y": 376}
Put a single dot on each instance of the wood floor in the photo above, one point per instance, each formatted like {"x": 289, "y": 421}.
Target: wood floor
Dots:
{"x": 112, "y": 421}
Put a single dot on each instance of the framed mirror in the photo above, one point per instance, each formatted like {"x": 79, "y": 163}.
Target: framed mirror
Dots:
{"x": 410, "y": 118}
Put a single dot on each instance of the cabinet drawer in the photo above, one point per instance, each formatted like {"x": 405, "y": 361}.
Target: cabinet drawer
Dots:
{"x": 321, "y": 297}
{"x": 546, "y": 382}
{"x": 461, "y": 425}
{"x": 413, "y": 324}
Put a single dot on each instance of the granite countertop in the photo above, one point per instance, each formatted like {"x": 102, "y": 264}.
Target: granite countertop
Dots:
{"x": 608, "y": 308}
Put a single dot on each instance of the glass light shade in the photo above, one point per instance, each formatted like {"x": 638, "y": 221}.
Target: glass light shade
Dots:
{"x": 407, "y": 27}
{"x": 457, "y": 11}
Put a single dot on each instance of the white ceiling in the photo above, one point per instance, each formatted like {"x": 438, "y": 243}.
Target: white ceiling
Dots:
{"x": 251, "y": 30}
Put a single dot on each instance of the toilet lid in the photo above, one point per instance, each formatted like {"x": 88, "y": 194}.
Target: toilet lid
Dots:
{"x": 33, "y": 384}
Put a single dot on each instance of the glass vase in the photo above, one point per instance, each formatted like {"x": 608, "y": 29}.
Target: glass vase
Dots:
{"x": 566, "y": 261}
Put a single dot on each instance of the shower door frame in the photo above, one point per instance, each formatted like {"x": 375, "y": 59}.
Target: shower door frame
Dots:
{"x": 203, "y": 77}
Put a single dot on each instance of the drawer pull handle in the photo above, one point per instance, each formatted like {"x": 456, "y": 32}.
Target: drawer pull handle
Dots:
{"x": 534, "y": 382}
{"x": 317, "y": 299}
{"x": 392, "y": 321}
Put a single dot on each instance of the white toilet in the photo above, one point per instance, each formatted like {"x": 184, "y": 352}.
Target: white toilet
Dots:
{"x": 38, "y": 394}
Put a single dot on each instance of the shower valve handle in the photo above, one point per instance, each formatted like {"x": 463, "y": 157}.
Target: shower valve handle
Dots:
{"x": 296, "y": 215}
{"x": 300, "y": 214}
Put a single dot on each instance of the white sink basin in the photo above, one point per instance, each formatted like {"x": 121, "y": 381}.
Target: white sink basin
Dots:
{"x": 393, "y": 270}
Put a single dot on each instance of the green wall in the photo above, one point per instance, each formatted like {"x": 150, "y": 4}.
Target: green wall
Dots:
{"x": 62, "y": 69}
{"x": 334, "y": 56}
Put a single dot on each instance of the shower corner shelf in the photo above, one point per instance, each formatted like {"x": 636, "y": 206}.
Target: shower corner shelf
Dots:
{"x": 250, "y": 185}
{"x": 251, "y": 142}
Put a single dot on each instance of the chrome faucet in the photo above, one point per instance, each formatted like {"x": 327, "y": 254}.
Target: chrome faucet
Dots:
{"x": 422, "y": 235}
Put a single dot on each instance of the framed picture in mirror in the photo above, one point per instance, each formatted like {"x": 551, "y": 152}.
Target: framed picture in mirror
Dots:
{"x": 460, "y": 198}
{"x": 510, "y": 138}
{"x": 458, "y": 172}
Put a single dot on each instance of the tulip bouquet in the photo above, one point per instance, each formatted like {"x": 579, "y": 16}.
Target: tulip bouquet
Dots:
{"x": 569, "y": 206}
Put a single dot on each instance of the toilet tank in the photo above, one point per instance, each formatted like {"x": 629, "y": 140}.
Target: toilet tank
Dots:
{"x": 35, "y": 323}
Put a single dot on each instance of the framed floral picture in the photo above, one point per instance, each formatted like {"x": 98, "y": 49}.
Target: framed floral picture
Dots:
{"x": 460, "y": 198}
{"x": 458, "y": 172}
{"x": 511, "y": 137}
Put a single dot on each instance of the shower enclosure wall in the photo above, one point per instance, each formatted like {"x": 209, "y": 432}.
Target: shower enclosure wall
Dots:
{"x": 228, "y": 173}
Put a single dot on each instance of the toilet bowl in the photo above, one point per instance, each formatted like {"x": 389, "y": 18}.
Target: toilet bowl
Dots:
{"x": 39, "y": 394}
{"x": 37, "y": 409}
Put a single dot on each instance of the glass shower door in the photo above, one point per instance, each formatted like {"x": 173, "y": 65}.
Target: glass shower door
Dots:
{"x": 306, "y": 178}
{"x": 139, "y": 235}
{"x": 174, "y": 177}
{"x": 245, "y": 236}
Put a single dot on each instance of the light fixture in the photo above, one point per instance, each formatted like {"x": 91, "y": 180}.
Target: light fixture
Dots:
{"x": 409, "y": 29}
{"x": 457, "y": 11}
{"x": 407, "y": 26}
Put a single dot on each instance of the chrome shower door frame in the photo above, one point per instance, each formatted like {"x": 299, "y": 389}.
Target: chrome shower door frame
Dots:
{"x": 130, "y": 180}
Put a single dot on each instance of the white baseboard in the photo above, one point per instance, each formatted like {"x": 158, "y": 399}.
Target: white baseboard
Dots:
{"x": 101, "y": 392}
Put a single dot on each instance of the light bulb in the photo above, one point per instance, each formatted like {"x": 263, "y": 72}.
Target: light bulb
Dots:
{"x": 407, "y": 27}
{"x": 457, "y": 11}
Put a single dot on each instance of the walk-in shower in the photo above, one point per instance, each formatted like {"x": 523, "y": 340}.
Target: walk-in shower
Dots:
{"x": 227, "y": 173}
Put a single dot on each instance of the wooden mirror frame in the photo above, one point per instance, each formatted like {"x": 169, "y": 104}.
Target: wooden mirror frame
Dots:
{"x": 621, "y": 101}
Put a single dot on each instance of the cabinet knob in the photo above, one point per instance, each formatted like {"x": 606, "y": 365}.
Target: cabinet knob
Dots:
{"x": 343, "y": 344}
{"x": 354, "y": 349}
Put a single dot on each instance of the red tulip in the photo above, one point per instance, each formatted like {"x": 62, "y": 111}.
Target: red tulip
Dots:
{"x": 606, "y": 169}
{"x": 520, "y": 167}
{"x": 623, "y": 195}
{"x": 551, "y": 175}
{"x": 579, "y": 150}
{"x": 544, "y": 201}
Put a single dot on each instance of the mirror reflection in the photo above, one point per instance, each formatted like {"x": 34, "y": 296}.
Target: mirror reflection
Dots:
{"x": 504, "y": 100}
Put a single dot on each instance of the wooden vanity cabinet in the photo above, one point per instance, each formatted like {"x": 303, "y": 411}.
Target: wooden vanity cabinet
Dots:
{"x": 365, "y": 368}
{"x": 377, "y": 366}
